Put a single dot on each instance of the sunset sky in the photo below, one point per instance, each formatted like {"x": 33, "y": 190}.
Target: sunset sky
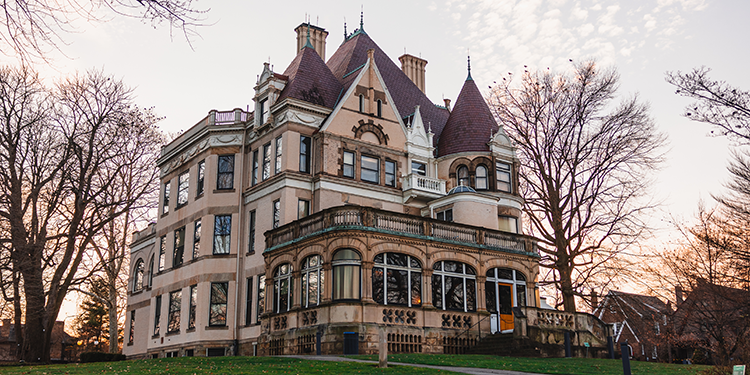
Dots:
{"x": 642, "y": 39}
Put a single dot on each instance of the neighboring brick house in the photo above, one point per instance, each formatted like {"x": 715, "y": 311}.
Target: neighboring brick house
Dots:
{"x": 641, "y": 320}
{"x": 61, "y": 343}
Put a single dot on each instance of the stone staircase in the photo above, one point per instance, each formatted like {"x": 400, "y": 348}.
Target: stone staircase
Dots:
{"x": 505, "y": 345}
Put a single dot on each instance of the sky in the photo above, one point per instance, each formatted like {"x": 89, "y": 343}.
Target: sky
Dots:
{"x": 642, "y": 39}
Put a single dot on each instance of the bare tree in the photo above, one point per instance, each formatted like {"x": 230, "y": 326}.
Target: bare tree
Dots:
{"x": 32, "y": 28}
{"x": 59, "y": 172}
{"x": 585, "y": 168}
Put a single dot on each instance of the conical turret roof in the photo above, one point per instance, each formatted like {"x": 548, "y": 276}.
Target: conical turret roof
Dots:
{"x": 310, "y": 80}
{"x": 470, "y": 124}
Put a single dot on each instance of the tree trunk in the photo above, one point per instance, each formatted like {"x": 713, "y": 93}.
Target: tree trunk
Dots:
{"x": 17, "y": 314}
{"x": 113, "y": 333}
{"x": 35, "y": 343}
{"x": 566, "y": 284}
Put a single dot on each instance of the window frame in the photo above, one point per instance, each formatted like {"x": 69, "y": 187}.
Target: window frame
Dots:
{"x": 306, "y": 270}
{"x": 162, "y": 253}
{"x": 175, "y": 309}
{"x": 157, "y": 316}
{"x": 151, "y": 271}
{"x": 228, "y": 175}
{"x": 392, "y": 175}
{"x": 138, "y": 272}
{"x": 352, "y": 165}
{"x": 385, "y": 267}
{"x": 506, "y": 170}
{"x": 261, "y": 300}
{"x": 211, "y": 306}
{"x": 197, "y": 227}
{"x": 444, "y": 215}
{"x": 303, "y": 208}
{"x": 478, "y": 177}
{"x": 254, "y": 176}
{"x": 460, "y": 179}
{"x": 361, "y": 103}
{"x": 363, "y": 169}
{"x": 266, "y": 171}
{"x": 515, "y": 219}
{"x": 264, "y": 111}
{"x": 192, "y": 307}
{"x": 517, "y": 281}
{"x": 379, "y": 108}
{"x": 277, "y": 157}
{"x": 438, "y": 277}
{"x": 178, "y": 248}
{"x": 201, "y": 179}
{"x": 276, "y": 206}
{"x": 183, "y": 189}
{"x": 341, "y": 295}
{"x": 279, "y": 279}
{"x": 249, "y": 300}
{"x": 419, "y": 171}
{"x": 305, "y": 151}
{"x": 131, "y": 328}
{"x": 251, "y": 232}
{"x": 165, "y": 198}
{"x": 225, "y": 233}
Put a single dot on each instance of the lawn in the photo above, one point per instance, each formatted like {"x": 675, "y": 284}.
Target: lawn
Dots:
{"x": 214, "y": 366}
{"x": 579, "y": 366}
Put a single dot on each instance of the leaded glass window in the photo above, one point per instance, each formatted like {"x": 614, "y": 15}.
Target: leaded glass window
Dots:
{"x": 454, "y": 286}
{"x": 397, "y": 280}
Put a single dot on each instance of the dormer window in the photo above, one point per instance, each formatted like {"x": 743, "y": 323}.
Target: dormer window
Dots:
{"x": 380, "y": 108}
{"x": 361, "y": 103}
{"x": 503, "y": 176}
{"x": 263, "y": 111}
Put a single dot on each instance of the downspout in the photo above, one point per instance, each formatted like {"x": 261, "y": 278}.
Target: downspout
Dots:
{"x": 240, "y": 257}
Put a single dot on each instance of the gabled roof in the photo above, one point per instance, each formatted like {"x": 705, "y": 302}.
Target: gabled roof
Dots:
{"x": 470, "y": 124}
{"x": 310, "y": 80}
{"x": 352, "y": 55}
{"x": 641, "y": 305}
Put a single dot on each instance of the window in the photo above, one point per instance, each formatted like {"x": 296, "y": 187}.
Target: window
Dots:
{"x": 397, "y": 280}
{"x": 165, "y": 200}
{"x": 370, "y": 169}
{"x": 282, "y": 288}
{"x": 304, "y": 154}
{"x": 261, "y": 296}
{"x": 193, "y": 303}
{"x": 189, "y": 352}
{"x": 390, "y": 173}
{"x": 179, "y": 247}
{"x": 463, "y": 176}
{"x": 222, "y": 233}
{"x": 303, "y": 208}
{"x": 380, "y": 108}
{"x": 504, "y": 276}
{"x": 157, "y": 315}
{"x": 312, "y": 280}
{"x": 175, "y": 303}
{"x": 215, "y": 352}
{"x": 249, "y": 301}
{"x": 201, "y": 178}
{"x": 162, "y": 252}
{"x": 503, "y": 177}
{"x": 454, "y": 286}
{"x": 346, "y": 274}
{"x": 361, "y": 103}
{"x": 151, "y": 271}
{"x": 263, "y": 111}
{"x": 276, "y": 213}
{"x": 183, "y": 189}
{"x": 266, "y": 161}
{"x": 419, "y": 168}
{"x": 348, "y": 164}
{"x": 254, "y": 177}
{"x": 481, "y": 173}
{"x": 138, "y": 275}
{"x": 131, "y": 332}
{"x": 251, "y": 231}
{"x": 217, "y": 314}
{"x": 277, "y": 159}
{"x": 197, "y": 239}
{"x": 225, "y": 176}
{"x": 445, "y": 215}
{"x": 508, "y": 224}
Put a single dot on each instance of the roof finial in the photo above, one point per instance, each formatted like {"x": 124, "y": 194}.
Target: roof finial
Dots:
{"x": 469, "y": 68}
{"x": 345, "y": 36}
{"x": 308, "y": 44}
{"x": 362, "y": 18}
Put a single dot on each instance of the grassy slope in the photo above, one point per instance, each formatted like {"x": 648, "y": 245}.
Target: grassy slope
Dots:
{"x": 223, "y": 365}
{"x": 582, "y": 366}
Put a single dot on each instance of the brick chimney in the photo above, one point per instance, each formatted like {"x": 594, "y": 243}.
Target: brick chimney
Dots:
{"x": 413, "y": 67}
{"x": 318, "y": 37}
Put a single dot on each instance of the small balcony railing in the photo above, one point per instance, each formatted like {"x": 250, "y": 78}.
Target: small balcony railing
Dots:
{"x": 425, "y": 184}
{"x": 348, "y": 217}
{"x": 235, "y": 116}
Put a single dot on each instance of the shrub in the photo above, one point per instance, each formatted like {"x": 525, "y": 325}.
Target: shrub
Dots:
{"x": 101, "y": 357}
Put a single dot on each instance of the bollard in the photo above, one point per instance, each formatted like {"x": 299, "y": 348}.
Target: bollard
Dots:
{"x": 568, "y": 348}
{"x": 625, "y": 352}
{"x": 382, "y": 350}
{"x": 611, "y": 347}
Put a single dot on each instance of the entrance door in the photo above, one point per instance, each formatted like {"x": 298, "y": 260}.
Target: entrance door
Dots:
{"x": 505, "y": 304}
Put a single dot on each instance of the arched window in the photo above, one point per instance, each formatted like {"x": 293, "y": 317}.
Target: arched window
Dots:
{"x": 380, "y": 108}
{"x": 454, "y": 286}
{"x": 463, "y": 176}
{"x": 361, "y": 103}
{"x": 138, "y": 275}
{"x": 402, "y": 284}
{"x": 346, "y": 274}
{"x": 151, "y": 271}
{"x": 482, "y": 178}
{"x": 282, "y": 288}
{"x": 501, "y": 285}
{"x": 312, "y": 280}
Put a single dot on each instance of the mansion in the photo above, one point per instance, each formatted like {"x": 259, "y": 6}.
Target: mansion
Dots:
{"x": 345, "y": 204}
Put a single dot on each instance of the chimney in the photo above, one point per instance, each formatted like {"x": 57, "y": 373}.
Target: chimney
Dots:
{"x": 594, "y": 299}
{"x": 317, "y": 38}
{"x": 447, "y": 104}
{"x": 413, "y": 67}
{"x": 678, "y": 294}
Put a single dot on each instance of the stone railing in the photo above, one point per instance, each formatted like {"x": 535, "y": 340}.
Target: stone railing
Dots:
{"x": 548, "y": 326}
{"x": 348, "y": 217}
{"x": 423, "y": 183}
{"x": 235, "y": 116}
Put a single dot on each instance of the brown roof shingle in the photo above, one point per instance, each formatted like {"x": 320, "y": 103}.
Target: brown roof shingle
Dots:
{"x": 470, "y": 124}
{"x": 310, "y": 80}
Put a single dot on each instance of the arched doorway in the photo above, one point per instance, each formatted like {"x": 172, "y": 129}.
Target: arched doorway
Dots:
{"x": 505, "y": 288}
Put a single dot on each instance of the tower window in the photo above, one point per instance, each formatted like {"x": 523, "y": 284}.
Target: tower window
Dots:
{"x": 380, "y": 108}
{"x": 481, "y": 173}
{"x": 463, "y": 176}
{"x": 503, "y": 177}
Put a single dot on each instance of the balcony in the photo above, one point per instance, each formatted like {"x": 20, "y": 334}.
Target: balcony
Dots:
{"x": 418, "y": 186}
{"x": 370, "y": 219}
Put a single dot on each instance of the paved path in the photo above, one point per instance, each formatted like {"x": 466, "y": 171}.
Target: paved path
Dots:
{"x": 465, "y": 370}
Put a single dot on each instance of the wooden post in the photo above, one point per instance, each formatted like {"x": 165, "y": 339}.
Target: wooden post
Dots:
{"x": 382, "y": 349}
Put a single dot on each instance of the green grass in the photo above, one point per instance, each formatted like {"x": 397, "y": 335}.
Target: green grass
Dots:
{"x": 220, "y": 365}
{"x": 578, "y": 366}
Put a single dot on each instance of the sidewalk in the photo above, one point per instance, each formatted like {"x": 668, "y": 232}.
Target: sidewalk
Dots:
{"x": 465, "y": 370}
